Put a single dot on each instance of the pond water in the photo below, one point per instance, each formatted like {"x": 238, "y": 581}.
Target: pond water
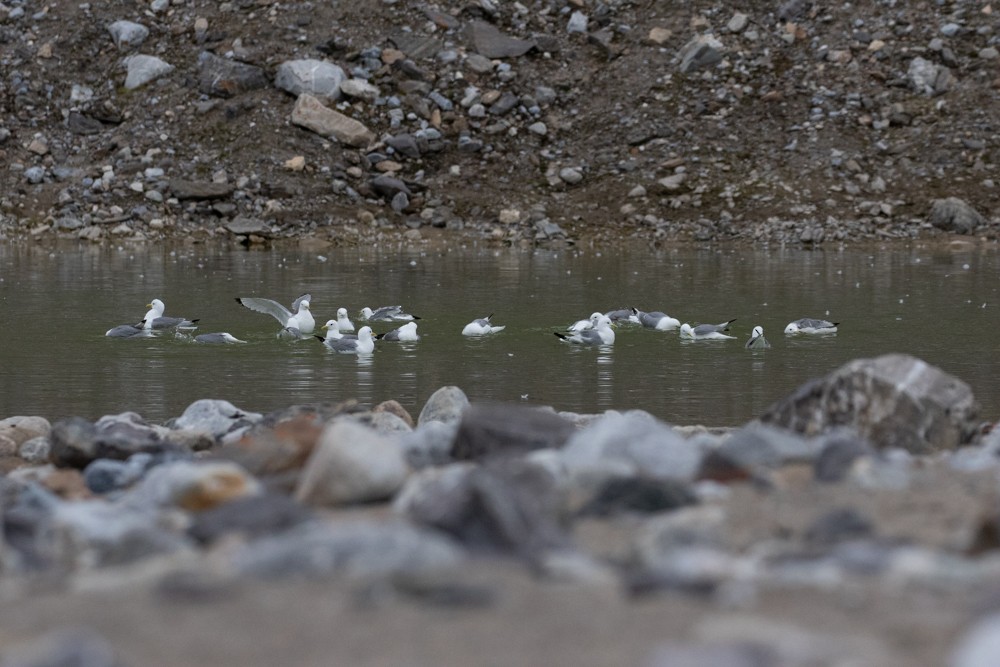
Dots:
{"x": 939, "y": 303}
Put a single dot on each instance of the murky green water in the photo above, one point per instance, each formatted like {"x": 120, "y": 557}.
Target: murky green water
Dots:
{"x": 942, "y": 305}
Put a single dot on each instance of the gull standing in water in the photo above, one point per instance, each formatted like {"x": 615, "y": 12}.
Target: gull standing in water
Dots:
{"x": 344, "y": 323}
{"x": 363, "y": 344}
{"x": 386, "y": 314}
{"x": 656, "y": 320}
{"x": 808, "y": 325}
{"x": 757, "y": 340}
{"x": 297, "y": 323}
{"x": 154, "y": 319}
{"x": 706, "y": 331}
{"x": 407, "y": 332}
{"x": 601, "y": 334}
{"x": 481, "y": 327}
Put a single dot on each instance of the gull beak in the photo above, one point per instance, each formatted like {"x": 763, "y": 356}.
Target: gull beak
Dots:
{"x": 149, "y": 305}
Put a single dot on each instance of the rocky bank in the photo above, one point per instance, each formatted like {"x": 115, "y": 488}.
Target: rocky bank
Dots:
{"x": 514, "y": 122}
{"x": 855, "y": 523}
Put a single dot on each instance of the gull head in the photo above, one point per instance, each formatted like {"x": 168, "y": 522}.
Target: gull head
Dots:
{"x": 156, "y": 304}
{"x": 757, "y": 332}
{"x": 367, "y": 312}
{"x": 341, "y": 312}
{"x": 792, "y": 328}
{"x": 686, "y": 331}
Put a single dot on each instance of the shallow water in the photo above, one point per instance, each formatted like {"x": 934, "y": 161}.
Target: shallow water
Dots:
{"x": 937, "y": 303}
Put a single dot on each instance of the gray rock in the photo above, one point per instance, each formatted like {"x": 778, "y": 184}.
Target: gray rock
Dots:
{"x": 34, "y": 175}
{"x": 754, "y": 449}
{"x": 35, "y": 450}
{"x": 845, "y": 523}
{"x": 489, "y": 42}
{"x": 492, "y": 430}
{"x": 791, "y": 10}
{"x": 192, "y": 486}
{"x": 76, "y": 647}
{"x": 405, "y": 145}
{"x": 713, "y": 654}
{"x": 389, "y": 186}
{"x": 216, "y": 418}
{"x": 630, "y": 444}
{"x": 892, "y": 401}
{"x": 250, "y": 517}
{"x": 95, "y": 533}
{"x": 104, "y": 476}
{"x": 22, "y": 429}
{"x": 142, "y": 69}
{"x": 429, "y": 444}
{"x": 226, "y": 78}
{"x": 506, "y": 506}
{"x": 702, "y": 51}
{"x": 311, "y": 114}
{"x": 577, "y": 22}
{"x": 927, "y": 78}
{"x": 637, "y": 495}
{"x": 838, "y": 453}
{"x": 351, "y": 464}
{"x": 955, "y": 215}
{"x": 357, "y": 548}
{"x": 127, "y": 34}
{"x": 359, "y": 89}
{"x": 979, "y": 646}
{"x": 445, "y": 405}
{"x": 570, "y": 175}
{"x": 738, "y": 22}
{"x": 76, "y": 442}
{"x": 318, "y": 78}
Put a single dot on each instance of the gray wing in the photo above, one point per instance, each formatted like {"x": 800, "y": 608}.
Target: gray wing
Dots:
{"x": 810, "y": 323}
{"x": 124, "y": 331}
{"x": 620, "y": 314}
{"x": 386, "y": 312}
{"x": 391, "y": 335}
{"x": 267, "y": 306}
{"x": 161, "y": 323}
{"x": 342, "y": 344}
{"x": 705, "y": 329}
{"x": 590, "y": 337}
{"x": 304, "y": 297}
{"x": 211, "y": 338}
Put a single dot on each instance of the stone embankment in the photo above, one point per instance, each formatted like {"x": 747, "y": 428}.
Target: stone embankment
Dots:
{"x": 875, "y": 483}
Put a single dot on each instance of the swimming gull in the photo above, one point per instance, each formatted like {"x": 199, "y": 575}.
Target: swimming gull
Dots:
{"x": 127, "y": 331}
{"x": 219, "y": 337}
{"x": 601, "y": 334}
{"x": 363, "y": 344}
{"x": 407, "y": 332}
{"x": 294, "y": 322}
{"x": 584, "y": 325}
{"x": 757, "y": 340}
{"x": 154, "y": 319}
{"x": 344, "y": 323}
{"x": 706, "y": 331}
{"x": 386, "y": 314}
{"x": 808, "y": 325}
{"x": 332, "y": 328}
{"x": 656, "y": 320}
{"x": 481, "y": 327}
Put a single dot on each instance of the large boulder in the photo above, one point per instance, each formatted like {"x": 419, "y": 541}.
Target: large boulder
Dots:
{"x": 892, "y": 401}
{"x": 955, "y": 215}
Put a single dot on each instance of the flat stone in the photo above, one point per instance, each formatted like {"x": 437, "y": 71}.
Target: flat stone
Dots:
{"x": 490, "y": 430}
{"x": 199, "y": 190}
{"x": 702, "y": 51}
{"x": 128, "y": 34}
{"x": 360, "y": 89}
{"x": 311, "y": 114}
{"x": 489, "y": 42}
{"x": 243, "y": 225}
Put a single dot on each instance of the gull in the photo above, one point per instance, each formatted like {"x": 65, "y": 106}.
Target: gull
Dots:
{"x": 481, "y": 327}
{"x": 407, "y": 332}
{"x": 757, "y": 340}
{"x": 656, "y": 320}
{"x": 584, "y": 325}
{"x": 706, "y": 331}
{"x": 220, "y": 337}
{"x": 363, "y": 344}
{"x": 808, "y": 325}
{"x": 344, "y": 323}
{"x": 128, "y": 331}
{"x": 332, "y": 328}
{"x": 386, "y": 314}
{"x": 294, "y": 324}
{"x": 622, "y": 315}
{"x": 601, "y": 334}
{"x": 155, "y": 321}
